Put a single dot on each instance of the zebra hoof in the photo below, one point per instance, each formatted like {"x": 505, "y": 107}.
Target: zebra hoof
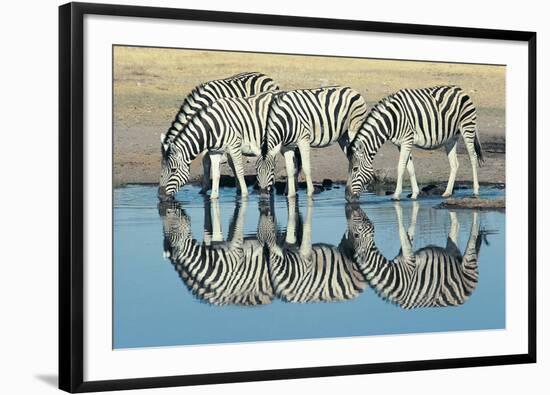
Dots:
{"x": 395, "y": 198}
{"x": 214, "y": 197}
{"x": 414, "y": 197}
{"x": 474, "y": 195}
{"x": 446, "y": 195}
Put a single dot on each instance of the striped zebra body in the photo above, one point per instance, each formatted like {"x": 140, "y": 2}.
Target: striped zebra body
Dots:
{"x": 204, "y": 95}
{"x": 430, "y": 277}
{"x": 222, "y": 273}
{"x": 301, "y": 272}
{"x": 232, "y": 125}
{"x": 426, "y": 118}
{"x": 325, "y": 275}
{"x": 303, "y": 119}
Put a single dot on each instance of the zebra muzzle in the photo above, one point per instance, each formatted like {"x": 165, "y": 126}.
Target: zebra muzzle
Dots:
{"x": 351, "y": 197}
{"x": 265, "y": 193}
{"x": 162, "y": 195}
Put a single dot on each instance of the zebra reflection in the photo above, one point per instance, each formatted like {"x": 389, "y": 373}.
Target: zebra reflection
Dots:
{"x": 250, "y": 271}
{"x": 304, "y": 272}
{"x": 230, "y": 272}
{"x": 429, "y": 277}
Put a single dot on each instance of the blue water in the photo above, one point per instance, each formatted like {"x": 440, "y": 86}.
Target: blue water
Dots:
{"x": 153, "y": 306}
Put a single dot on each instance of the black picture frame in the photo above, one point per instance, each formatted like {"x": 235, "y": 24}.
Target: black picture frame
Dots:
{"x": 71, "y": 204}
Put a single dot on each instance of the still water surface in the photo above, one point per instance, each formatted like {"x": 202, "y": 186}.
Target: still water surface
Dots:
{"x": 202, "y": 273}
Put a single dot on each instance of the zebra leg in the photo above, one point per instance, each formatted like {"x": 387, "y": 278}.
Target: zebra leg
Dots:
{"x": 470, "y": 257}
{"x": 412, "y": 177}
{"x": 469, "y": 140}
{"x": 290, "y": 182}
{"x": 404, "y": 155}
{"x": 414, "y": 216}
{"x": 306, "y": 165}
{"x": 290, "y": 237}
{"x": 236, "y": 227}
{"x": 206, "y": 165}
{"x": 207, "y": 226}
{"x": 305, "y": 245}
{"x": 217, "y": 233}
{"x": 406, "y": 246}
{"x": 215, "y": 159}
{"x": 455, "y": 227}
{"x": 450, "y": 148}
{"x": 297, "y": 167}
{"x": 237, "y": 159}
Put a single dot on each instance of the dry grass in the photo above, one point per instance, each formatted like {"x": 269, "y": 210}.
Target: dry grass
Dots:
{"x": 150, "y": 83}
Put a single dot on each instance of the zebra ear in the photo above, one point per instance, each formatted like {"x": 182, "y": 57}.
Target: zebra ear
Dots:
{"x": 163, "y": 143}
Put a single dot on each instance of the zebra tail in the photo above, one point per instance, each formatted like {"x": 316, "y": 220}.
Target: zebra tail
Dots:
{"x": 479, "y": 151}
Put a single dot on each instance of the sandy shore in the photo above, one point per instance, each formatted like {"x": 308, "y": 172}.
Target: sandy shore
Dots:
{"x": 149, "y": 85}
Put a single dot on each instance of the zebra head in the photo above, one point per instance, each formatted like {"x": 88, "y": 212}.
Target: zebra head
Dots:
{"x": 176, "y": 226}
{"x": 360, "y": 230}
{"x": 360, "y": 171}
{"x": 174, "y": 172}
{"x": 267, "y": 225}
{"x": 265, "y": 174}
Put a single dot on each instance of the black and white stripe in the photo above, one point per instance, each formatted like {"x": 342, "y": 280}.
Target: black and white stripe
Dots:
{"x": 307, "y": 118}
{"x": 303, "y": 272}
{"x": 426, "y": 118}
{"x": 231, "y": 272}
{"x": 429, "y": 277}
{"x": 240, "y": 85}
{"x": 231, "y": 125}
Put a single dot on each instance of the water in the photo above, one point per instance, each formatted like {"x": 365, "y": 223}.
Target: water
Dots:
{"x": 164, "y": 298}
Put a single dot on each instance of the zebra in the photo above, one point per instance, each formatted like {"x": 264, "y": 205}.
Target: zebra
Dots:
{"x": 426, "y": 118}
{"x": 218, "y": 272}
{"x": 307, "y": 118}
{"x": 429, "y": 277}
{"x": 240, "y": 85}
{"x": 303, "y": 272}
{"x": 231, "y": 125}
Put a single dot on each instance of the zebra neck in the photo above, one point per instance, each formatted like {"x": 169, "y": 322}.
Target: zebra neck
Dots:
{"x": 192, "y": 140}
{"x": 372, "y": 137}
{"x": 178, "y": 124}
{"x": 176, "y": 127}
{"x": 370, "y": 260}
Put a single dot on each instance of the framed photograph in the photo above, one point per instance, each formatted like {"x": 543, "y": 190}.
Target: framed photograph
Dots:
{"x": 253, "y": 197}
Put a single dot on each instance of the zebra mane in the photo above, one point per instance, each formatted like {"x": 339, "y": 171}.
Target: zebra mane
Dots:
{"x": 359, "y": 136}
{"x": 275, "y": 98}
{"x": 168, "y": 138}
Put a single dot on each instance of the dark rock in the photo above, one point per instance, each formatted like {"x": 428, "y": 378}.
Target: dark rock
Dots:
{"x": 432, "y": 190}
{"x": 336, "y": 186}
{"x": 250, "y": 179}
{"x": 302, "y": 185}
{"x": 280, "y": 187}
{"x": 498, "y": 204}
{"x": 387, "y": 193}
{"x": 327, "y": 183}
{"x": 318, "y": 189}
{"x": 227, "y": 181}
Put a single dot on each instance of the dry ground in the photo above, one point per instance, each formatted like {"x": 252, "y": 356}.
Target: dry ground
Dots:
{"x": 150, "y": 83}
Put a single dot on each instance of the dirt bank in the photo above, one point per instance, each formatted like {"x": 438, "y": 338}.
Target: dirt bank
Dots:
{"x": 149, "y": 85}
